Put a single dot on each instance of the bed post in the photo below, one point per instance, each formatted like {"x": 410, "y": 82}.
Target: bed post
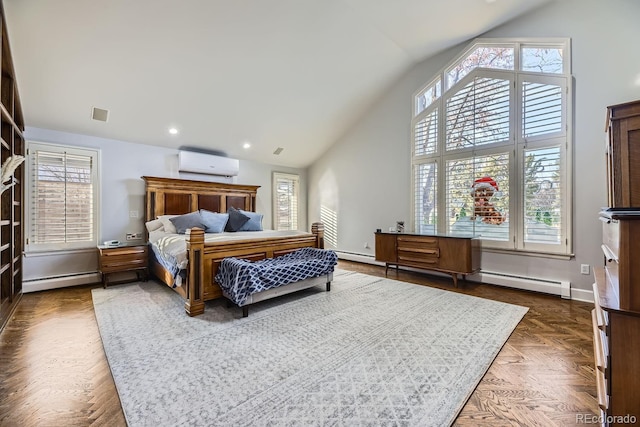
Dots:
{"x": 317, "y": 228}
{"x": 194, "y": 304}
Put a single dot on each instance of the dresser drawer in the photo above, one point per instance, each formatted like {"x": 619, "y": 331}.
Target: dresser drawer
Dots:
{"x": 600, "y": 344}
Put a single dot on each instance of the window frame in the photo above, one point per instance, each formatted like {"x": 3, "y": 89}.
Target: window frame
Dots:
{"x": 517, "y": 144}
{"x": 295, "y": 178}
{"x": 94, "y": 153}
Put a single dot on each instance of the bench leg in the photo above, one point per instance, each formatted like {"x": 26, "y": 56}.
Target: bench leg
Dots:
{"x": 245, "y": 311}
{"x": 328, "y": 286}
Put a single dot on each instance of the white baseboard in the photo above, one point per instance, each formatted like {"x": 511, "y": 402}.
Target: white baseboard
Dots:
{"x": 554, "y": 287}
{"x": 561, "y": 288}
{"x": 60, "y": 282}
{"x": 582, "y": 295}
{"x": 352, "y": 256}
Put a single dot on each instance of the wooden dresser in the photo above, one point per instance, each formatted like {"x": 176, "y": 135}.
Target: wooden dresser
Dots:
{"x": 616, "y": 317}
{"x": 616, "y": 291}
{"x": 447, "y": 254}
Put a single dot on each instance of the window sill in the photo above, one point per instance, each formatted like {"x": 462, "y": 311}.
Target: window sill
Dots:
{"x": 49, "y": 252}
{"x": 565, "y": 257}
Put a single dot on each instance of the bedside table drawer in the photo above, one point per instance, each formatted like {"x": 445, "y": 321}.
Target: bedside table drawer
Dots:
{"x": 122, "y": 263}
{"x": 122, "y": 259}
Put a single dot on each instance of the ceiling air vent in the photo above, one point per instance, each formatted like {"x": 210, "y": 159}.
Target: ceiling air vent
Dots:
{"x": 99, "y": 114}
{"x": 278, "y": 151}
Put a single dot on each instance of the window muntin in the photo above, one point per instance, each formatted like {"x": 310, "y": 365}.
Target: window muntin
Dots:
{"x": 485, "y": 133}
{"x": 64, "y": 197}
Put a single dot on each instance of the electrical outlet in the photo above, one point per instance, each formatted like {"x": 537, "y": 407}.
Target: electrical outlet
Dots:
{"x": 366, "y": 245}
{"x": 584, "y": 268}
{"x": 134, "y": 236}
{"x": 134, "y": 214}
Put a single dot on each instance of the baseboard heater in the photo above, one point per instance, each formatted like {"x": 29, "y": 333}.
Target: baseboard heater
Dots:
{"x": 554, "y": 287}
{"x": 46, "y": 283}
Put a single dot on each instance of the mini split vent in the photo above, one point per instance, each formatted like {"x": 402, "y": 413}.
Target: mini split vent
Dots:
{"x": 99, "y": 114}
{"x": 278, "y": 151}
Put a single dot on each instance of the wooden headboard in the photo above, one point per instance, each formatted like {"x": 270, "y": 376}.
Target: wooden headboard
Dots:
{"x": 170, "y": 196}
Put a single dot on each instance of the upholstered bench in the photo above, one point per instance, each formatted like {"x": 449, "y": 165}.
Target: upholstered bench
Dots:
{"x": 246, "y": 282}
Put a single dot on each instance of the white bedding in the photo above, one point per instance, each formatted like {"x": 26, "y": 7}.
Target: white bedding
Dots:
{"x": 171, "y": 249}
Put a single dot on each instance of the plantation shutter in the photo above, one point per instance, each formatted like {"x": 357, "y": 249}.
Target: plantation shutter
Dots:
{"x": 425, "y": 135}
{"x": 286, "y": 199}
{"x": 479, "y": 113}
{"x": 543, "y": 196}
{"x": 425, "y": 185}
{"x": 543, "y": 106}
{"x": 62, "y": 198}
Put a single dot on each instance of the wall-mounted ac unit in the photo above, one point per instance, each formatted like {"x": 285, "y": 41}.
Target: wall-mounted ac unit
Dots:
{"x": 208, "y": 164}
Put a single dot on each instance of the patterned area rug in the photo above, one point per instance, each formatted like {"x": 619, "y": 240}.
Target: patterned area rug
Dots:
{"x": 371, "y": 352}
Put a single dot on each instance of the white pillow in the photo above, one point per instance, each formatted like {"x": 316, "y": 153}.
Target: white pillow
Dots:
{"x": 153, "y": 225}
{"x": 168, "y": 225}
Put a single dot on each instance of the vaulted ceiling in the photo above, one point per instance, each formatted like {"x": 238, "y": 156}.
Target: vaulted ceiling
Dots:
{"x": 294, "y": 74}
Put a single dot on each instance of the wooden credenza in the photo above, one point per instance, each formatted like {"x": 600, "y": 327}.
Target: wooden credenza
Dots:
{"x": 616, "y": 317}
{"x": 446, "y": 254}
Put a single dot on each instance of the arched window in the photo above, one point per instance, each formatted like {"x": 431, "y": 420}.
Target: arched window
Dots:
{"x": 491, "y": 137}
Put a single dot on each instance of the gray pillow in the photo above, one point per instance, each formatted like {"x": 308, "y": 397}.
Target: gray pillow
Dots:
{"x": 214, "y": 222}
{"x": 254, "y": 223}
{"x": 186, "y": 221}
{"x": 236, "y": 220}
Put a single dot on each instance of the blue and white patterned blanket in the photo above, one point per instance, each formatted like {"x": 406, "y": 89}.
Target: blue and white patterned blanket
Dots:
{"x": 240, "y": 278}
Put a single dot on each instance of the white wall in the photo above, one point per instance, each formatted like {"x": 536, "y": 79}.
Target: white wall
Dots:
{"x": 364, "y": 179}
{"x": 122, "y": 191}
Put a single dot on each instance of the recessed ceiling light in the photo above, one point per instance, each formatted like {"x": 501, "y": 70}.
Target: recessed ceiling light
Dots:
{"x": 173, "y": 131}
{"x": 246, "y": 145}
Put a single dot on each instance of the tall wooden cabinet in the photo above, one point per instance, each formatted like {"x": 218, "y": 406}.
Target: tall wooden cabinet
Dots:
{"x": 11, "y": 201}
{"x": 616, "y": 315}
{"x": 623, "y": 155}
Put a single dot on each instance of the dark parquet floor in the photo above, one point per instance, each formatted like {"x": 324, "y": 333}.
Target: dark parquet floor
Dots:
{"x": 53, "y": 370}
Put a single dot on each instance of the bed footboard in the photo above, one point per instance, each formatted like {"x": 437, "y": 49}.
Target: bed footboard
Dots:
{"x": 204, "y": 259}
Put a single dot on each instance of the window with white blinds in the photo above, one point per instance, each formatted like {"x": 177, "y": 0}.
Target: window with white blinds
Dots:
{"x": 500, "y": 149}
{"x": 63, "y": 197}
{"x": 286, "y": 197}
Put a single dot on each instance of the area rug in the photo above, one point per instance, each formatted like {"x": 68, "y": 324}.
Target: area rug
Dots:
{"x": 370, "y": 352}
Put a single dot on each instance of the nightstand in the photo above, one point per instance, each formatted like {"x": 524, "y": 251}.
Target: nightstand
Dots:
{"x": 122, "y": 258}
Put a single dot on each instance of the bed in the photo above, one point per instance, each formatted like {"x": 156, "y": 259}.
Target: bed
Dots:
{"x": 204, "y": 252}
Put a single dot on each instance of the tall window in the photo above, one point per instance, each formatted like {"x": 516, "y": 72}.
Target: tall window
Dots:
{"x": 490, "y": 153}
{"x": 286, "y": 188}
{"x": 63, "y": 197}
